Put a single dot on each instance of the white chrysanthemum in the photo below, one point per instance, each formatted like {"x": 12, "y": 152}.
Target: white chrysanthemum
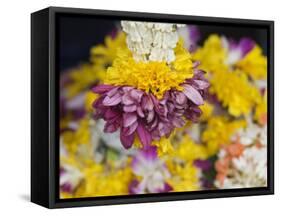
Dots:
{"x": 249, "y": 169}
{"x": 252, "y": 133}
{"x": 151, "y": 41}
{"x": 71, "y": 176}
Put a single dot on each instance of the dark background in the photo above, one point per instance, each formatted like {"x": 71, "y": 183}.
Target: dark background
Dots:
{"x": 78, "y": 34}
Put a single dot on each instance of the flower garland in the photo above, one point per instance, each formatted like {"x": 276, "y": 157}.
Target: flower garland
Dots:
{"x": 143, "y": 116}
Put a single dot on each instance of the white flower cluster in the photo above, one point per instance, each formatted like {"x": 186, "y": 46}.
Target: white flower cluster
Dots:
{"x": 70, "y": 177}
{"x": 150, "y": 41}
{"x": 153, "y": 174}
{"x": 250, "y": 169}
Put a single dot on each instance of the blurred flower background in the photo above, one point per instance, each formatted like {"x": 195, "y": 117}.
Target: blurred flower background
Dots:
{"x": 154, "y": 107}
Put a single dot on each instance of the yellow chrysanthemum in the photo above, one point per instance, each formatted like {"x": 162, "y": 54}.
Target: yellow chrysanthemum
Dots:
{"x": 254, "y": 64}
{"x": 212, "y": 55}
{"x": 185, "y": 177}
{"x": 89, "y": 98}
{"x": 234, "y": 91}
{"x": 70, "y": 160}
{"x": 73, "y": 139}
{"x": 101, "y": 182}
{"x": 218, "y": 133}
{"x": 104, "y": 54}
{"x": 81, "y": 78}
{"x": 154, "y": 77}
{"x": 188, "y": 150}
{"x": 261, "y": 111}
{"x": 207, "y": 111}
{"x": 164, "y": 146}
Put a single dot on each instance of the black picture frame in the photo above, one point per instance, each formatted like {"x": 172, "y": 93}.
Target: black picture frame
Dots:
{"x": 44, "y": 108}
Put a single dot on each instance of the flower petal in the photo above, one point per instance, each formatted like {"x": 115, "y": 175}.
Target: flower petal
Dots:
{"x": 140, "y": 112}
{"x": 112, "y": 91}
{"x": 136, "y": 94}
{"x": 192, "y": 94}
{"x": 112, "y": 101}
{"x": 180, "y": 98}
{"x": 129, "y": 119}
{"x": 127, "y": 141}
{"x": 131, "y": 129}
{"x": 201, "y": 84}
{"x": 245, "y": 45}
{"x": 101, "y": 89}
{"x": 127, "y": 100}
{"x": 150, "y": 116}
{"x": 130, "y": 108}
{"x": 144, "y": 136}
{"x": 147, "y": 103}
{"x": 110, "y": 128}
{"x": 178, "y": 122}
{"x": 109, "y": 114}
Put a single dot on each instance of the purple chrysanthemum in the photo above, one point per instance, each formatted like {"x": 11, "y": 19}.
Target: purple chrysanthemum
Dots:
{"x": 136, "y": 112}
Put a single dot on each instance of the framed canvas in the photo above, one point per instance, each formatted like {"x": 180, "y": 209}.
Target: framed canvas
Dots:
{"x": 138, "y": 107}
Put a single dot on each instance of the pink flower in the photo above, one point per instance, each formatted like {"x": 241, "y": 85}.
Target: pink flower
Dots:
{"x": 137, "y": 113}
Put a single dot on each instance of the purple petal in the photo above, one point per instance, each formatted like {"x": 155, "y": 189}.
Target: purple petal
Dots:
{"x": 201, "y": 84}
{"x": 112, "y": 92}
{"x": 109, "y": 114}
{"x": 192, "y": 94}
{"x": 140, "y": 112}
{"x": 154, "y": 123}
{"x": 127, "y": 88}
{"x": 127, "y": 141}
{"x": 180, "y": 98}
{"x": 166, "y": 188}
{"x": 150, "y": 116}
{"x": 130, "y": 108}
{"x": 110, "y": 128}
{"x": 144, "y": 136}
{"x": 205, "y": 165}
{"x": 246, "y": 45}
{"x": 101, "y": 89}
{"x": 150, "y": 153}
{"x": 66, "y": 187}
{"x": 171, "y": 106}
{"x": 199, "y": 74}
{"x": 147, "y": 103}
{"x": 196, "y": 64}
{"x": 133, "y": 187}
{"x": 163, "y": 129}
{"x": 194, "y": 33}
{"x": 131, "y": 129}
{"x": 127, "y": 100}
{"x": 178, "y": 122}
{"x": 129, "y": 119}
{"x": 112, "y": 101}
{"x": 136, "y": 94}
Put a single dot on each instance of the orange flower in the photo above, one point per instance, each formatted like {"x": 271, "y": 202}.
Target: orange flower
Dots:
{"x": 222, "y": 165}
{"x": 235, "y": 149}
